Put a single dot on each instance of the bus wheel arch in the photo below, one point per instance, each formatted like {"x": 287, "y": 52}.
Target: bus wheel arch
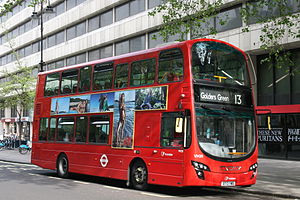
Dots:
{"x": 62, "y": 165}
{"x": 138, "y": 174}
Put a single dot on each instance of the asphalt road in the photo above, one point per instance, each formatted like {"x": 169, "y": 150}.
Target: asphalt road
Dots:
{"x": 25, "y": 181}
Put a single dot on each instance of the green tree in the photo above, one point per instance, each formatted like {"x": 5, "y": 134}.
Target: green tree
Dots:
{"x": 194, "y": 16}
{"x": 18, "y": 89}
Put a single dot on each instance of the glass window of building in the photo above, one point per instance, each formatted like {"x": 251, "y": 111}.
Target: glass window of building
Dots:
{"x": 43, "y": 129}
{"x": 65, "y": 129}
{"x": 69, "y": 81}
{"x": 71, "y": 32}
{"x": 28, "y": 50}
{"x": 99, "y": 129}
{"x": 51, "y": 40}
{"x": 122, "y": 47}
{"x": 203, "y": 28}
{"x": 70, "y": 4}
{"x": 103, "y": 75}
{"x": 154, "y": 39}
{"x": 71, "y": 61}
{"x": 143, "y": 72}
{"x": 81, "y": 58}
{"x": 170, "y": 67}
{"x": 80, "y": 29}
{"x": 60, "y": 37}
{"x": 154, "y": 3}
{"x": 94, "y": 55}
{"x": 36, "y": 47}
{"x": 278, "y": 85}
{"x": 136, "y": 6}
{"x": 137, "y": 43}
{"x": 106, "y": 18}
{"x": 81, "y": 130}
{"x": 52, "y": 84}
{"x": 229, "y": 19}
{"x": 121, "y": 76}
{"x": 59, "y": 9}
{"x": 85, "y": 79}
{"x": 94, "y": 23}
{"x": 121, "y": 12}
{"x": 106, "y": 52}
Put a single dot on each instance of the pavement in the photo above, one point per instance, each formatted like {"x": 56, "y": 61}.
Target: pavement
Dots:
{"x": 277, "y": 178}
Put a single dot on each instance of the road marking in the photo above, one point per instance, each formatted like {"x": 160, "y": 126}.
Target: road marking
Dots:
{"x": 155, "y": 195}
{"x": 81, "y": 182}
{"x": 34, "y": 174}
{"x": 53, "y": 177}
{"x": 114, "y": 188}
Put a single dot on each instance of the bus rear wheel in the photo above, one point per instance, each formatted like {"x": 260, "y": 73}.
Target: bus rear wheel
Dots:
{"x": 139, "y": 175}
{"x": 63, "y": 166}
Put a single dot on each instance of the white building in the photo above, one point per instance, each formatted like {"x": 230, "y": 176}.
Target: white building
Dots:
{"x": 86, "y": 30}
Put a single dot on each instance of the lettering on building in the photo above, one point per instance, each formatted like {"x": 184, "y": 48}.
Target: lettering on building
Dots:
{"x": 293, "y": 135}
{"x": 273, "y": 135}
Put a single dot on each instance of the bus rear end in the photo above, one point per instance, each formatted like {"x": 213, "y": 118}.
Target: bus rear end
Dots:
{"x": 224, "y": 145}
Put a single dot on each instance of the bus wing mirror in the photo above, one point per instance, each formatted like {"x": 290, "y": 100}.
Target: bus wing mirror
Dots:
{"x": 179, "y": 125}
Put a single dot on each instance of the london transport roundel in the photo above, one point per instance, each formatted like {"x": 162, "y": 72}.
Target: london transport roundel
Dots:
{"x": 103, "y": 160}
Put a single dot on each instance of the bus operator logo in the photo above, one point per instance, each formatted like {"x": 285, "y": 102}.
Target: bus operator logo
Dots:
{"x": 103, "y": 160}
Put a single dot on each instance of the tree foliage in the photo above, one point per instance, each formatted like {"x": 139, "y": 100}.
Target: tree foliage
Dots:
{"x": 280, "y": 21}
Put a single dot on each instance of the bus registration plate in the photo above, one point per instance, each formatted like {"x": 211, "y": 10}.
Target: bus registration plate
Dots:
{"x": 228, "y": 183}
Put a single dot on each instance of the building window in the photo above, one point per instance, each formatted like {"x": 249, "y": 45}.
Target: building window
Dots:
{"x": 14, "y": 112}
{"x": 2, "y": 113}
{"x": 131, "y": 45}
{"x": 232, "y": 19}
{"x": 106, "y": 18}
{"x": 122, "y": 12}
{"x": 154, "y": 3}
{"x": 94, "y": 23}
{"x": 99, "y": 129}
{"x": 136, "y": 6}
{"x": 278, "y": 86}
{"x": 122, "y": 47}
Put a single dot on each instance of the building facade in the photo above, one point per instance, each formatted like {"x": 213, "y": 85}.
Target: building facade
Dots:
{"x": 85, "y": 30}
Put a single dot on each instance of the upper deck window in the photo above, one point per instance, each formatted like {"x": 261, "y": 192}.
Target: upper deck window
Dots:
{"x": 85, "y": 79}
{"x": 69, "y": 81}
{"x": 170, "y": 66}
{"x": 121, "y": 76}
{"x": 213, "y": 61}
{"x": 103, "y": 75}
{"x": 142, "y": 72}
{"x": 52, "y": 84}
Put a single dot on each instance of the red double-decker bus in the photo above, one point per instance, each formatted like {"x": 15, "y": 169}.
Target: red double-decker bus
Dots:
{"x": 179, "y": 115}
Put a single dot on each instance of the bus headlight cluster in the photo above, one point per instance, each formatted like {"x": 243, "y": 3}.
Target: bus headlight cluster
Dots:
{"x": 200, "y": 168}
{"x": 254, "y": 169}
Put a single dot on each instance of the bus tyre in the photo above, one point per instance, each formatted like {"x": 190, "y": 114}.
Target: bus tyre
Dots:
{"x": 139, "y": 176}
{"x": 62, "y": 166}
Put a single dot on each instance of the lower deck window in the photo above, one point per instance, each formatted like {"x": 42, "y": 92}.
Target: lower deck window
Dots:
{"x": 99, "y": 129}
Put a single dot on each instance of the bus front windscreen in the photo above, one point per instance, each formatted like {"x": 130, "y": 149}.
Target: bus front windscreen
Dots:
{"x": 225, "y": 134}
{"x": 214, "y": 61}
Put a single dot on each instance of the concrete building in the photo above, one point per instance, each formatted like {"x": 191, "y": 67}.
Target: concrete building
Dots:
{"x": 86, "y": 30}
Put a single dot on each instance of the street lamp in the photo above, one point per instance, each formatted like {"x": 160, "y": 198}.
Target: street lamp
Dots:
{"x": 49, "y": 9}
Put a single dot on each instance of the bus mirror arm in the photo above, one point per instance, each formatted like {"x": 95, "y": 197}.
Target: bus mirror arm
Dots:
{"x": 253, "y": 69}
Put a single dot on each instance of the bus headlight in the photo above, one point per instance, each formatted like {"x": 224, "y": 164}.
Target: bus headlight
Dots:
{"x": 200, "y": 168}
{"x": 254, "y": 169}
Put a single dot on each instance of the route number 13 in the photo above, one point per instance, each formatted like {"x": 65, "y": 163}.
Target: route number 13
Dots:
{"x": 238, "y": 99}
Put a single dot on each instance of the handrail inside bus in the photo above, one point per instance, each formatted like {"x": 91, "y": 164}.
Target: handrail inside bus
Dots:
{"x": 253, "y": 69}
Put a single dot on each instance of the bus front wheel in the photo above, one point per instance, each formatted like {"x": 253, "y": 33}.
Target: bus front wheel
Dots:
{"x": 139, "y": 175}
{"x": 63, "y": 166}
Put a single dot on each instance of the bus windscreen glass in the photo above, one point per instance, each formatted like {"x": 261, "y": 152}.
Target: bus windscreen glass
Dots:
{"x": 219, "y": 62}
{"x": 225, "y": 134}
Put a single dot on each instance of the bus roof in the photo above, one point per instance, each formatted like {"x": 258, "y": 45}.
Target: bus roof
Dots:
{"x": 110, "y": 59}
